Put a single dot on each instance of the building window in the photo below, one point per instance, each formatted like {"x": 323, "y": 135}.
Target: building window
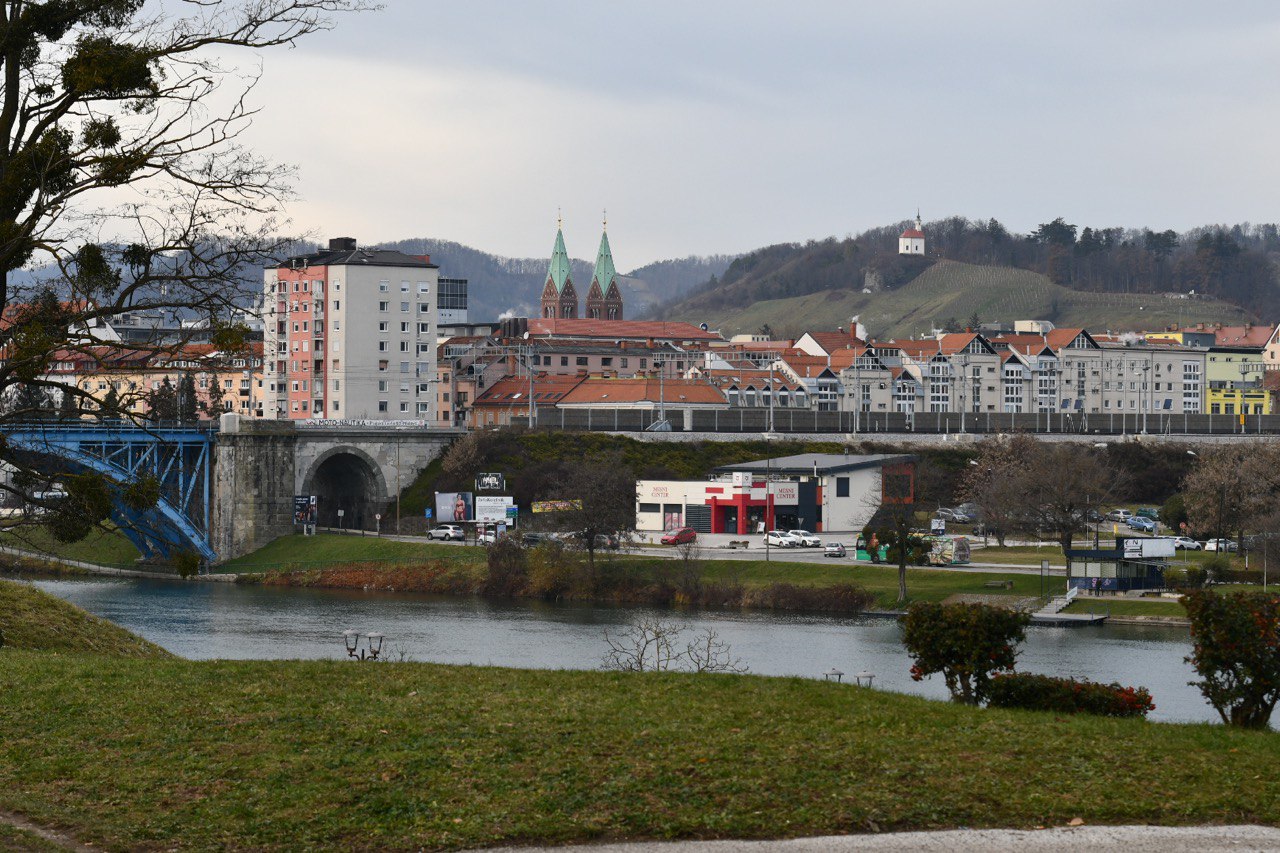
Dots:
{"x": 382, "y": 346}
{"x": 404, "y": 407}
{"x": 404, "y": 306}
{"x": 582, "y": 361}
{"x": 337, "y": 305}
{"x": 564, "y": 361}
{"x": 384, "y": 286}
{"x": 382, "y": 405}
{"x": 842, "y": 487}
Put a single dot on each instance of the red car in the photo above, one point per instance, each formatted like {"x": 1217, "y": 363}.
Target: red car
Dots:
{"x": 679, "y": 537}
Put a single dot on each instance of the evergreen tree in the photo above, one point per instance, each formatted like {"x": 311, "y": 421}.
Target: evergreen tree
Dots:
{"x": 188, "y": 406}
{"x": 163, "y": 402}
{"x": 215, "y": 396}
{"x": 109, "y": 408}
{"x": 30, "y": 403}
{"x": 68, "y": 406}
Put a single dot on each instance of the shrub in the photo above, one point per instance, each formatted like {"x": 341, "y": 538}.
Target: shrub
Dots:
{"x": 1216, "y": 568}
{"x": 1067, "y": 696}
{"x": 506, "y": 568}
{"x": 967, "y": 643}
{"x": 1236, "y": 651}
{"x": 841, "y": 598}
{"x": 1192, "y": 577}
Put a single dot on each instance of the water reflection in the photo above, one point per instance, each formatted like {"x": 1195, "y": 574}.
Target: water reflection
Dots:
{"x": 211, "y": 620}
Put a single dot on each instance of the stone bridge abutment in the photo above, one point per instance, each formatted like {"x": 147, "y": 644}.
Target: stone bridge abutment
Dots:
{"x": 259, "y": 467}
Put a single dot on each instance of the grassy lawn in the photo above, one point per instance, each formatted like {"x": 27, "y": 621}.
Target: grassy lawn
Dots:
{"x": 34, "y": 620}
{"x": 177, "y": 754}
{"x": 107, "y": 547}
{"x": 1024, "y": 555}
{"x": 335, "y": 548}
{"x": 1130, "y": 607}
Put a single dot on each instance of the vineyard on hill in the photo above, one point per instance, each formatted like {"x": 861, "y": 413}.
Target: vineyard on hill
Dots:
{"x": 953, "y": 291}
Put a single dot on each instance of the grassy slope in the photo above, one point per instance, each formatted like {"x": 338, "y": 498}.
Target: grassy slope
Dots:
{"x": 306, "y": 755}
{"x": 107, "y": 547}
{"x": 31, "y": 619}
{"x": 332, "y": 547}
{"x": 950, "y": 289}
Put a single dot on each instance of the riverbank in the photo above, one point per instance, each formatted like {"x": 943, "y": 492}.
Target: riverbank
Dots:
{"x": 322, "y": 754}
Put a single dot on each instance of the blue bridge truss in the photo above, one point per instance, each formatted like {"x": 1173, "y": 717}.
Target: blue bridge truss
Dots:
{"x": 177, "y": 457}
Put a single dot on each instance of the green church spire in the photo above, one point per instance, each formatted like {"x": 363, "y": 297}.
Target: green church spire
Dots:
{"x": 558, "y": 271}
{"x": 604, "y": 272}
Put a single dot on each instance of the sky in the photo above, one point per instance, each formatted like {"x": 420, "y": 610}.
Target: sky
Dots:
{"x": 719, "y": 127}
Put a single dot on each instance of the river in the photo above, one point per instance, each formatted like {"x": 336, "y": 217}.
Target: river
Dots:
{"x": 218, "y": 620}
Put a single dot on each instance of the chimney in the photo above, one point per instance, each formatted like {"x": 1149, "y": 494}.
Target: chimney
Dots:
{"x": 342, "y": 244}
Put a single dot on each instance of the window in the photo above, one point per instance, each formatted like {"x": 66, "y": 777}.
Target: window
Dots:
{"x": 582, "y": 361}
{"x": 423, "y": 408}
{"x": 606, "y": 362}
{"x": 404, "y": 306}
{"x": 382, "y": 346}
{"x": 404, "y": 407}
{"x": 650, "y": 508}
{"x": 842, "y": 487}
{"x": 624, "y": 363}
{"x": 337, "y": 404}
{"x": 384, "y": 306}
{"x": 382, "y": 365}
{"x": 423, "y": 308}
{"x": 423, "y": 328}
{"x": 404, "y": 367}
{"x": 404, "y": 287}
{"x": 404, "y": 346}
{"x": 384, "y": 286}
{"x": 423, "y": 287}
{"x": 564, "y": 361}
{"x": 382, "y": 325}
{"x": 404, "y": 328}
{"x": 382, "y": 405}
{"x": 337, "y": 305}
{"x": 382, "y": 385}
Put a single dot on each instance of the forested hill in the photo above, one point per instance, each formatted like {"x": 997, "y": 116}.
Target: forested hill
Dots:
{"x": 499, "y": 285}
{"x": 1235, "y": 264}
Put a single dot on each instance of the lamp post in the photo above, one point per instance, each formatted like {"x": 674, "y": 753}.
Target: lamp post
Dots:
{"x": 373, "y": 641}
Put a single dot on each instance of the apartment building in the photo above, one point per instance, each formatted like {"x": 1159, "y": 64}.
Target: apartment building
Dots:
{"x": 350, "y": 333}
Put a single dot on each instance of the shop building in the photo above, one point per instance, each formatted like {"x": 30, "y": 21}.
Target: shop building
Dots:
{"x": 821, "y": 492}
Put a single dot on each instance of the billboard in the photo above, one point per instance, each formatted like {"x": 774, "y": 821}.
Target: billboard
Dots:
{"x": 490, "y": 482}
{"x": 1135, "y": 548}
{"x": 454, "y": 506}
{"x": 304, "y": 509}
{"x": 492, "y": 508}
{"x": 556, "y": 506}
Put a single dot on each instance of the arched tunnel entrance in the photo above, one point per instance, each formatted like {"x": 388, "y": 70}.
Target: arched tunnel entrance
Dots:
{"x": 347, "y": 481}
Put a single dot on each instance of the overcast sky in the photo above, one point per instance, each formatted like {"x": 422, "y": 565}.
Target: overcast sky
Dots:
{"x": 708, "y": 127}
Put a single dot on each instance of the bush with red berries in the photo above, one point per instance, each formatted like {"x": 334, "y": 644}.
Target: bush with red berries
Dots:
{"x": 1067, "y": 696}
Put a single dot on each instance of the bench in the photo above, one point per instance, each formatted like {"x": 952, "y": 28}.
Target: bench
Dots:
{"x": 998, "y": 584}
{"x": 739, "y": 543}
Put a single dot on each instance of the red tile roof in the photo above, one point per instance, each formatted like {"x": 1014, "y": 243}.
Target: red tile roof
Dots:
{"x": 513, "y": 391}
{"x": 618, "y": 329}
{"x": 606, "y": 392}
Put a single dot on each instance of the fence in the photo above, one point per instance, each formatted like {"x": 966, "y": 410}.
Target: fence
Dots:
{"x": 756, "y": 421}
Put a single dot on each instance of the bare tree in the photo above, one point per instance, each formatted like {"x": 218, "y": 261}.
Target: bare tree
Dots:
{"x": 1062, "y": 484}
{"x": 124, "y": 186}
{"x": 1232, "y": 488}
{"x": 600, "y": 491}
{"x": 994, "y": 483}
{"x": 652, "y": 645}
{"x": 708, "y": 653}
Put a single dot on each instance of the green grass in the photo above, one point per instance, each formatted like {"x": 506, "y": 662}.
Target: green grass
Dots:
{"x": 336, "y": 548}
{"x": 340, "y": 755}
{"x": 1020, "y": 555}
{"x": 104, "y": 546}
{"x": 32, "y": 619}
{"x": 1129, "y": 607}
{"x": 953, "y": 290}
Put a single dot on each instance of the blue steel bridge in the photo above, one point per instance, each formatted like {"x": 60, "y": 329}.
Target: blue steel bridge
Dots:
{"x": 179, "y": 458}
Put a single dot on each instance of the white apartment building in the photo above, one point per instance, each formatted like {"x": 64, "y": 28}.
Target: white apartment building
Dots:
{"x": 350, "y": 333}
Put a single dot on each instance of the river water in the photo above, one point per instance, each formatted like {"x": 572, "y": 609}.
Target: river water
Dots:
{"x": 217, "y": 620}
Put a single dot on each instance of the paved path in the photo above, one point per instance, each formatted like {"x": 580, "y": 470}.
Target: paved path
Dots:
{"x": 1131, "y": 839}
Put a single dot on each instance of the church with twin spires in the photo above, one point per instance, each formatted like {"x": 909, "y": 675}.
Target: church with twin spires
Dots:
{"x": 560, "y": 297}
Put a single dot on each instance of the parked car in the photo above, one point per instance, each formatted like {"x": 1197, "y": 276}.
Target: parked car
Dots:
{"x": 1186, "y": 544}
{"x": 447, "y": 532}
{"x": 532, "y": 537}
{"x": 970, "y": 509}
{"x": 679, "y": 536}
{"x": 1146, "y": 525}
{"x": 1118, "y": 515}
{"x": 1227, "y": 545}
{"x": 1150, "y": 512}
{"x": 807, "y": 539}
{"x": 948, "y": 514}
{"x": 833, "y": 549}
{"x": 486, "y": 536}
{"x": 781, "y": 539}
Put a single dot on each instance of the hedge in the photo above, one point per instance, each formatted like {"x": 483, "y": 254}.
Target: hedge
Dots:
{"x": 1068, "y": 696}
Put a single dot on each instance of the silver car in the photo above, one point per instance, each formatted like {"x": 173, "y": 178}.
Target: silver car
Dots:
{"x": 807, "y": 539}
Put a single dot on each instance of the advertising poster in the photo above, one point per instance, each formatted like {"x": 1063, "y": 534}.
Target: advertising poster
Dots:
{"x": 490, "y": 482}
{"x": 304, "y": 509}
{"x": 556, "y": 506}
{"x": 492, "y": 508}
{"x": 454, "y": 506}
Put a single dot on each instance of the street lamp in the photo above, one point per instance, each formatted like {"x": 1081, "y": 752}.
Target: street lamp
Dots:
{"x": 352, "y": 640}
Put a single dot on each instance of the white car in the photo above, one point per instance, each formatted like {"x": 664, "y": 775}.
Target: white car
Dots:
{"x": 1228, "y": 545}
{"x": 807, "y": 539}
{"x": 447, "y": 532}
{"x": 780, "y": 539}
{"x": 1188, "y": 544}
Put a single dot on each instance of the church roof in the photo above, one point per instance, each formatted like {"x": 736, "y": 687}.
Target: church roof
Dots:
{"x": 558, "y": 270}
{"x": 604, "y": 272}
{"x": 912, "y": 232}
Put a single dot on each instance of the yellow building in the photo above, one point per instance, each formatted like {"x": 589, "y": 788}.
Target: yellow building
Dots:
{"x": 1233, "y": 380}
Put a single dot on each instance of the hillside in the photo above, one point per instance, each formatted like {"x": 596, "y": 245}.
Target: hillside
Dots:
{"x": 499, "y": 285}
{"x": 949, "y": 290}
{"x": 36, "y": 621}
